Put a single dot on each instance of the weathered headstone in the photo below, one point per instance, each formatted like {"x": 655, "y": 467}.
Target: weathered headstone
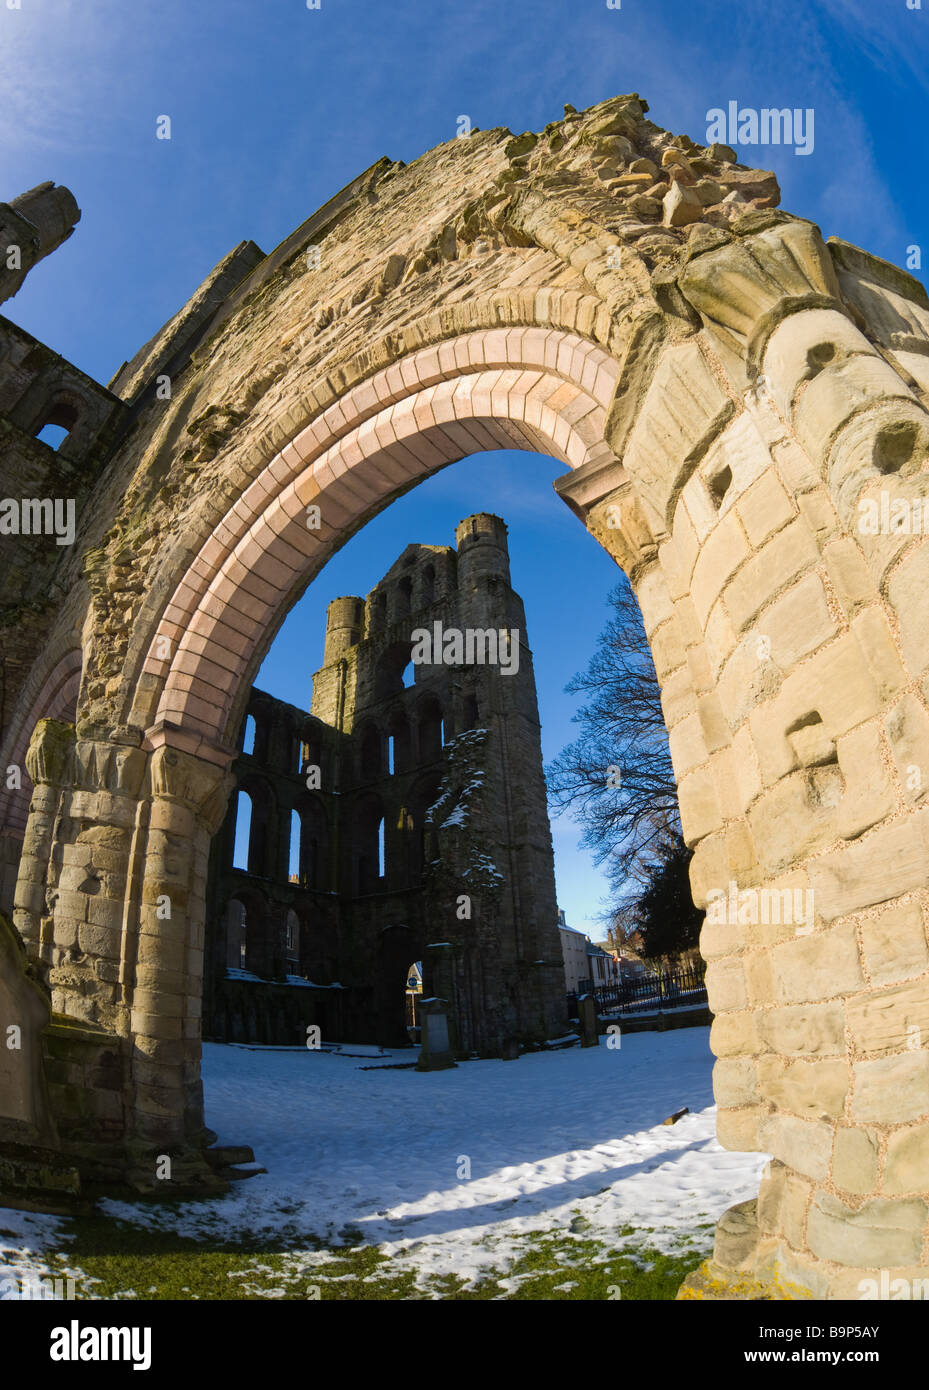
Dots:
{"x": 436, "y": 1051}
{"x": 587, "y": 1020}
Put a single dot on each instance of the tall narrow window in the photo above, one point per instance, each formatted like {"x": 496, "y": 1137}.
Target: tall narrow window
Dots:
{"x": 391, "y": 747}
{"x": 293, "y": 872}
{"x": 243, "y": 830}
{"x": 248, "y": 743}
{"x": 381, "y": 849}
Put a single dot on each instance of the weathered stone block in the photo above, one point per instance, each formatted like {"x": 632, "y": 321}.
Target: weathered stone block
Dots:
{"x": 879, "y": 1234}
{"x": 906, "y": 1164}
{"x": 896, "y": 1017}
{"x": 894, "y": 943}
{"x": 818, "y": 966}
{"x": 855, "y": 1159}
{"x": 735, "y": 1034}
{"x": 804, "y": 1030}
{"x": 804, "y": 1145}
{"x": 812, "y": 1090}
{"x": 889, "y": 862}
{"x": 891, "y": 1090}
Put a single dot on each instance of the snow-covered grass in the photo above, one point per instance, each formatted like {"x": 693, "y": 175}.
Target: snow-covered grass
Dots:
{"x": 471, "y": 1182}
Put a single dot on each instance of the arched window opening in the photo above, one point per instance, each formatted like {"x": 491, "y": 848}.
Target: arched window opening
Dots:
{"x": 391, "y": 752}
{"x": 404, "y": 597}
{"x": 391, "y": 675}
{"x": 414, "y": 992}
{"x": 254, "y": 826}
{"x": 58, "y": 423}
{"x": 53, "y": 435}
{"x": 381, "y": 849}
{"x": 243, "y": 831}
{"x": 296, "y": 831}
{"x": 409, "y": 675}
{"x": 258, "y": 742}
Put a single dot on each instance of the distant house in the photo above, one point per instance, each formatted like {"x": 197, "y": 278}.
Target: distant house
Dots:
{"x": 586, "y": 965}
{"x": 602, "y": 969}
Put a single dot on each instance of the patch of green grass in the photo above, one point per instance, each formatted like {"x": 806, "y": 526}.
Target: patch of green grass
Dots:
{"x": 113, "y": 1258}
{"x": 556, "y": 1267}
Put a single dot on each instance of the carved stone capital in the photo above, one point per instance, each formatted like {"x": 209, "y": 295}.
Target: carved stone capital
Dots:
{"x": 108, "y": 766}
{"x": 204, "y": 787}
{"x": 749, "y": 285}
{"x": 48, "y": 757}
{"x": 624, "y": 527}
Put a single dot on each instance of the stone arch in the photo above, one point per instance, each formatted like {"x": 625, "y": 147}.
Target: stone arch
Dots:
{"x": 263, "y": 552}
{"x": 264, "y": 826}
{"x": 725, "y": 395}
{"x": 388, "y": 679}
{"x": 391, "y": 970}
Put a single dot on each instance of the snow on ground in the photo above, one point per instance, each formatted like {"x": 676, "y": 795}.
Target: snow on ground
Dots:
{"x": 447, "y": 1171}
{"x": 454, "y": 1172}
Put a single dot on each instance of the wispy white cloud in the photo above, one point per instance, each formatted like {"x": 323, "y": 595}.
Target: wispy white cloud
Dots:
{"x": 889, "y": 33}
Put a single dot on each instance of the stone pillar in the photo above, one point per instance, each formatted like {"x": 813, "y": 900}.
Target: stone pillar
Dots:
{"x": 821, "y": 1014}
{"x": 791, "y": 653}
{"x": 49, "y": 764}
{"x": 188, "y": 792}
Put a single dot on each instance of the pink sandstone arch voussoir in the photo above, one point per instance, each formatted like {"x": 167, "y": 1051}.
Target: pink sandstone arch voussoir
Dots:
{"x": 543, "y": 390}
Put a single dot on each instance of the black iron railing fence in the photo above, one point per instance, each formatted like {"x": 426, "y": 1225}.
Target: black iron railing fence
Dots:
{"x": 668, "y": 989}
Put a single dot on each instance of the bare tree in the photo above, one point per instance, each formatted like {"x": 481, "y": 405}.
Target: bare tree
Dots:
{"x": 617, "y": 776}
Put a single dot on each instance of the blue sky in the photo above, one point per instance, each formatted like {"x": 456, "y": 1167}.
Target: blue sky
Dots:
{"x": 274, "y": 107}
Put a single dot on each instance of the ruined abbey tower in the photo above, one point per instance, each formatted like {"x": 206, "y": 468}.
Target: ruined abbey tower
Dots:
{"x": 412, "y": 803}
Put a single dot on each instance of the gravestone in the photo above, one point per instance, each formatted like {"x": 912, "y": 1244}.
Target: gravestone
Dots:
{"x": 588, "y": 1026}
{"x": 436, "y": 1051}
